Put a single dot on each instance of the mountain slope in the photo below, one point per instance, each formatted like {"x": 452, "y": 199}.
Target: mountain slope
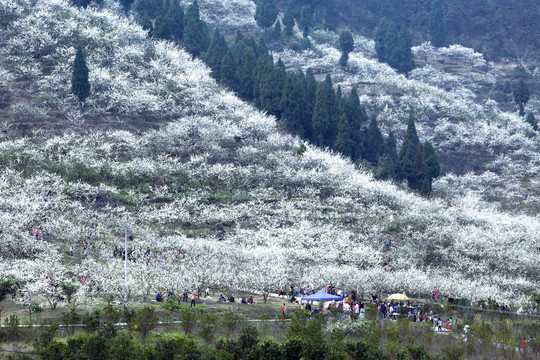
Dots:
{"x": 216, "y": 193}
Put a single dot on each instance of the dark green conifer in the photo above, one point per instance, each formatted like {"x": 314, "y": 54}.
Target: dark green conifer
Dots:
{"x": 532, "y": 121}
{"x": 374, "y": 142}
{"x": 162, "y": 28}
{"x": 195, "y": 31}
{"x": 324, "y": 114}
{"x": 266, "y": 13}
{"x": 437, "y": 25}
{"x": 154, "y": 8}
{"x": 176, "y": 16}
{"x": 346, "y": 44}
{"x": 277, "y": 30}
{"x": 247, "y": 79}
{"x": 214, "y": 55}
{"x": 411, "y": 158}
{"x": 146, "y": 23}
{"x": 228, "y": 71}
{"x": 272, "y": 89}
{"x": 432, "y": 167}
{"x": 344, "y": 142}
{"x": 404, "y": 56}
{"x": 521, "y": 95}
{"x": 288, "y": 22}
{"x": 126, "y": 4}
{"x": 305, "y": 19}
{"x": 380, "y": 32}
{"x": 391, "y": 168}
{"x": 80, "y": 85}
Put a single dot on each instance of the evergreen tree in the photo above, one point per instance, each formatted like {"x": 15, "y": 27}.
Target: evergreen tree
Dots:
{"x": 391, "y": 168}
{"x": 305, "y": 19}
{"x": 195, "y": 31}
{"x": 437, "y": 25}
{"x": 85, "y": 3}
{"x": 404, "y": 56}
{"x": 288, "y": 22}
{"x": 154, "y": 8}
{"x": 287, "y": 107}
{"x": 277, "y": 30}
{"x": 146, "y": 23}
{"x": 321, "y": 116}
{"x": 266, "y": 13}
{"x": 344, "y": 142}
{"x": 380, "y": 33}
{"x": 521, "y": 95}
{"x": 272, "y": 89}
{"x": 346, "y": 44}
{"x": 300, "y": 110}
{"x": 432, "y": 167}
{"x": 357, "y": 116}
{"x": 431, "y": 161}
{"x": 311, "y": 89}
{"x": 324, "y": 114}
{"x": 176, "y": 16}
{"x": 247, "y": 78}
{"x": 532, "y": 121}
{"x": 80, "y": 86}
{"x": 374, "y": 142}
{"x": 126, "y": 4}
{"x": 391, "y": 55}
{"x": 228, "y": 71}
{"x": 162, "y": 28}
{"x": 215, "y": 53}
{"x": 411, "y": 158}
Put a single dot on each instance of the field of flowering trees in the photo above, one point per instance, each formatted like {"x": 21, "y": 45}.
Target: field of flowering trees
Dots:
{"x": 216, "y": 195}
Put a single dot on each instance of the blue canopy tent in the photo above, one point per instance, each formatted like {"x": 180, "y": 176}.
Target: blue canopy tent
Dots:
{"x": 321, "y": 295}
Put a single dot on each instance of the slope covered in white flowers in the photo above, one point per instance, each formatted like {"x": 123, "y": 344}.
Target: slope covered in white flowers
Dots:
{"x": 214, "y": 190}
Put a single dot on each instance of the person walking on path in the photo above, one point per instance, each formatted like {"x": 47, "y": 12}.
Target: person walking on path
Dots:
{"x": 192, "y": 300}
{"x": 284, "y": 309}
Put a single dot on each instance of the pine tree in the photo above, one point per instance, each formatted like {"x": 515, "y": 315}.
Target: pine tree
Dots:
{"x": 521, "y": 95}
{"x": 176, "y": 15}
{"x": 126, "y": 4}
{"x": 391, "y": 168}
{"x": 288, "y": 22}
{"x": 228, "y": 71}
{"x": 431, "y": 162}
{"x": 80, "y": 86}
{"x": 247, "y": 79}
{"x": 391, "y": 54}
{"x": 154, "y": 8}
{"x": 305, "y": 19}
{"x": 214, "y": 55}
{"x": 404, "y": 56}
{"x": 344, "y": 142}
{"x": 277, "y": 30}
{"x": 356, "y": 113}
{"x": 380, "y": 32}
{"x": 266, "y": 13}
{"x": 437, "y": 25}
{"x": 272, "y": 89}
{"x": 195, "y": 31}
{"x": 374, "y": 142}
{"x": 346, "y": 44}
{"x": 162, "y": 28}
{"x": 287, "y": 107}
{"x": 146, "y": 23}
{"x": 301, "y": 109}
{"x": 411, "y": 158}
{"x": 311, "y": 89}
{"x": 321, "y": 117}
{"x": 532, "y": 121}
{"x": 324, "y": 114}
